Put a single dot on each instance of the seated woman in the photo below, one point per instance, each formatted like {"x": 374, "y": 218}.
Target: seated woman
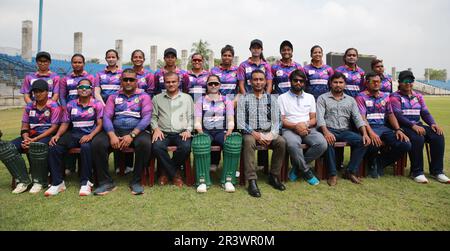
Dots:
{"x": 409, "y": 107}
{"x": 214, "y": 116}
{"x": 81, "y": 122}
{"x": 40, "y": 121}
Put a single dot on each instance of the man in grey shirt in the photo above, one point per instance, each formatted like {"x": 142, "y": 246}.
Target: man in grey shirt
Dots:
{"x": 335, "y": 113}
{"x": 259, "y": 117}
{"x": 172, "y": 124}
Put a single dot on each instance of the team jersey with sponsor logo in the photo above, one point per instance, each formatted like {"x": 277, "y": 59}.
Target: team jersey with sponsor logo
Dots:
{"x": 228, "y": 79}
{"x": 51, "y": 78}
{"x": 159, "y": 80}
{"x": 68, "y": 86}
{"x": 318, "y": 77}
{"x": 214, "y": 113}
{"x": 355, "y": 79}
{"x": 374, "y": 108}
{"x": 197, "y": 84}
{"x": 83, "y": 118}
{"x": 41, "y": 120}
{"x": 245, "y": 72}
{"x": 146, "y": 81}
{"x": 280, "y": 73}
{"x": 108, "y": 81}
{"x": 409, "y": 109}
{"x": 126, "y": 113}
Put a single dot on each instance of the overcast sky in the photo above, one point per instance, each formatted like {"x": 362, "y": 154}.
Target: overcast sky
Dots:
{"x": 405, "y": 33}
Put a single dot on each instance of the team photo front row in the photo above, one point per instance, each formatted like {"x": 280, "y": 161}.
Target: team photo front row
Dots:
{"x": 380, "y": 127}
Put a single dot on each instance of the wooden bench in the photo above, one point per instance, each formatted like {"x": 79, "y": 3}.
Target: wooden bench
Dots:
{"x": 189, "y": 173}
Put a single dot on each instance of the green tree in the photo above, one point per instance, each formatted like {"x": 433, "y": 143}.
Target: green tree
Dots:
{"x": 201, "y": 47}
{"x": 433, "y": 74}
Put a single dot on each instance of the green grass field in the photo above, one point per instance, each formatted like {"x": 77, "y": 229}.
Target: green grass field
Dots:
{"x": 390, "y": 203}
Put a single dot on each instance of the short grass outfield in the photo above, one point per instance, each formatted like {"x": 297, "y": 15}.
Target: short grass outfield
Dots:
{"x": 390, "y": 203}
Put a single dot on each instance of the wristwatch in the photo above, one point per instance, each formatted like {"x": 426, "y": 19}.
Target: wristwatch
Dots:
{"x": 132, "y": 135}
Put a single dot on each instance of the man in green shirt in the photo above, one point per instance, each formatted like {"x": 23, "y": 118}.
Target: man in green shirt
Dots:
{"x": 172, "y": 124}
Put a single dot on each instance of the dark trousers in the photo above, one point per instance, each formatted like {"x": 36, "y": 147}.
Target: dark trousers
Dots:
{"x": 171, "y": 165}
{"x": 57, "y": 152}
{"x": 357, "y": 150}
{"x": 218, "y": 139}
{"x": 396, "y": 147}
{"x": 142, "y": 145}
{"x": 437, "y": 148}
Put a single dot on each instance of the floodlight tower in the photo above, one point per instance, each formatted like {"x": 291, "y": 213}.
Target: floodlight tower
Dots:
{"x": 41, "y": 3}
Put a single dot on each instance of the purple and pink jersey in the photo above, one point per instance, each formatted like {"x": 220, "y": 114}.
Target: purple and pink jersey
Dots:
{"x": 83, "y": 118}
{"x": 126, "y": 113}
{"x": 197, "y": 84}
{"x": 317, "y": 83}
{"x": 41, "y": 120}
{"x": 386, "y": 83}
{"x": 355, "y": 79}
{"x": 68, "y": 86}
{"x": 245, "y": 72}
{"x": 280, "y": 73}
{"x": 146, "y": 81}
{"x": 108, "y": 81}
{"x": 214, "y": 113}
{"x": 409, "y": 109}
{"x": 374, "y": 108}
{"x": 228, "y": 79}
{"x": 51, "y": 78}
{"x": 159, "y": 80}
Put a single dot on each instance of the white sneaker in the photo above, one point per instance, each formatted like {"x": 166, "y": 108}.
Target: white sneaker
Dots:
{"x": 213, "y": 168}
{"x": 20, "y": 188}
{"x": 442, "y": 178}
{"x": 36, "y": 188}
{"x": 54, "y": 190}
{"x": 229, "y": 188}
{"x": 67, "y": 172}
{"x": 86, "y": 189}
{"x": 421, "y": 179}
{"x": 202, "y": 188}
{"x": 128, "y": 170}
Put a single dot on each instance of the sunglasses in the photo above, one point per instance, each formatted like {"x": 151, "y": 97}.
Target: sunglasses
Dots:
{"x": 128, "y": 79}
{"x": 297, "y": 80}
{"x": 213, "y": 84}
{"x": 197, "y": 60}
{"x": 84, "y": 87}
{"x": 407, "y": 81}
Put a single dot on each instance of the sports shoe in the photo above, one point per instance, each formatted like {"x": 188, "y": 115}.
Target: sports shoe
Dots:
{"x": 213, "y": 168}
{"x": 105, "y": 189}
{"x": 229, "y": 187}
{"x": 86, "y": 189}
{"x": 128, "y": 170}
{"x": 67, "y": 172}
{"x": 202, "y": 188}
{"x": 442, "y": 178}
{"x": 137, "y": 189}
{"x": 36, "y": 188}
{"x": 54, "y": 190}
{"x": 293, "y": 174}
{"x": 20, "y": 188}
{"x": 421, "y": 179}
{"x": 313, "y": 181}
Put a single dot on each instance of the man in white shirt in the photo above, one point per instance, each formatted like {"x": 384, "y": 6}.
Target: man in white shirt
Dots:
{"x": 298, "y": 114}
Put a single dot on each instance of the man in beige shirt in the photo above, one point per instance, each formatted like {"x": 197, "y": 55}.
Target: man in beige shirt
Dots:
{"x": 172, "y": 124}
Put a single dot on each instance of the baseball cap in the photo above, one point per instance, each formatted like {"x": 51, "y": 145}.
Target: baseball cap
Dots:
{"x": 406, "y": 75}
{"x": 39, "y": 84}
{"x": 170, "y": 51}
{"x": 43, "y": 54}
{"x": 256, "y": 42}
{"x": 286, "y": 43}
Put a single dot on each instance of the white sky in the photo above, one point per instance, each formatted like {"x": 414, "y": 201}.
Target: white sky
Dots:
{"x": 405, "y": 33}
